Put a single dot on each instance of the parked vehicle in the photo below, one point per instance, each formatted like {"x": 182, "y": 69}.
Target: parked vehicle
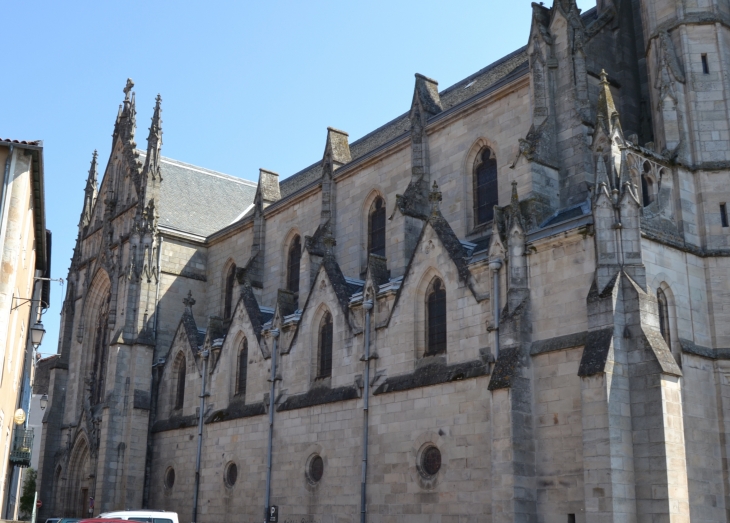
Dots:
{"x": 100, "y": 520}
{"x": 62, "y": 520}
{"x": 145, "y": 516}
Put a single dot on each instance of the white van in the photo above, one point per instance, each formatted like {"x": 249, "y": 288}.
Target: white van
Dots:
{"x": 147, "y": 516}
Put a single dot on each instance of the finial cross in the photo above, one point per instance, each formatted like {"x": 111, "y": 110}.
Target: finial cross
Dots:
{"x": 128, "y": 87}
{"x": 189, "y": 301}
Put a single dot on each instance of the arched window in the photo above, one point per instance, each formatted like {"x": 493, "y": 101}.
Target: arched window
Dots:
{"x": 647, "y": 185}
{"x": 101, "y": 352}
{"x": 436, "y": 319}
{"x": 663, "y": 316}
{"x": 376, "y": 228}
{"x": 180, "y": 386}
{"x": 294, "y": 257}
{"x": 325, "y": 347}
{"x": 230, "y": 281}
{"x": 242, "y": 368}
{"x": 486, "y": 191}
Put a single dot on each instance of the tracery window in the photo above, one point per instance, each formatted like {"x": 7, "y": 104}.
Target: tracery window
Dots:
{"x": 101, "y": 352}
{"x": 485, "y": 187}
{"x": 663, "y": 316}
{"x": 228, "y": 301}
{"x": 242, "y": 368}
{"x": 180, "y": 385}
{"x": 436, "y": 319}
{"x": 325, "y": 347}
{"x": 293, "y": 261}
{"x": 376, "y": 228}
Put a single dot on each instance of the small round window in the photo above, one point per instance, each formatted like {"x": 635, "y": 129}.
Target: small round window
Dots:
{"x": 316, "y": 469}
{"x": 231, "y": 474}
{"x": 431, "y": 461}
{"x": 170, "y": 477}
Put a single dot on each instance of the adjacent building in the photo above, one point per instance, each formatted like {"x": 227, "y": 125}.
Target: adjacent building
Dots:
{"x": 24, "y": 294}
{"x": 510, "y": 303}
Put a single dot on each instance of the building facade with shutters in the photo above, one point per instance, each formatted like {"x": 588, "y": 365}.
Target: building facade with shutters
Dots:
{"x": 524, "y": 278}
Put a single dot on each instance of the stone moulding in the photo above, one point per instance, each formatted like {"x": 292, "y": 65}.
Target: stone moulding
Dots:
{"x": 174, "y": 423}
{"x": 319, "y": 396}
{"x": 237, "y": 410}
{"x": 505, "y": 368}
{"x": 434, "y": 374}
{"x": 691, "y": 347}
{"x": 568, "y": 341}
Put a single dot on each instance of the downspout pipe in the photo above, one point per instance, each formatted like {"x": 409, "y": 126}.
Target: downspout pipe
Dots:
{"x": 368, "y": 306}
{"x": 205, "y": 355}
{"x": 267, "y": 500}
{"x": 496, "y": 265}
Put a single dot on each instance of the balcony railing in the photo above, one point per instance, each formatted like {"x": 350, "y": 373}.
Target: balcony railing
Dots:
{"x": 22, "y": 447}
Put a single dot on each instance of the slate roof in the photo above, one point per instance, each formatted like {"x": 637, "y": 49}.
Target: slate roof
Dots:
{"x": 42, "y": 376}
{"x": 450, "y": 97}
{"x": 198, "y": 200}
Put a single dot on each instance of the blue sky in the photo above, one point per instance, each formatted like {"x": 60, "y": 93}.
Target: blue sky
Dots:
{"x": 244, "y": 84}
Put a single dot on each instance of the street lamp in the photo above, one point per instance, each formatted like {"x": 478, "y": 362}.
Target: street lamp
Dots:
{"x": 36, "y": 334}
{"x": 44, "y": 401}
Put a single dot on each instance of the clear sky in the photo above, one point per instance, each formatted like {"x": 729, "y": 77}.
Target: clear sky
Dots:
{"x": 244, "y": 85}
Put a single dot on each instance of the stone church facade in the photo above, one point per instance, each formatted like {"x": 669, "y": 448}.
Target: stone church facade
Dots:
{"x": 517, "y": 293}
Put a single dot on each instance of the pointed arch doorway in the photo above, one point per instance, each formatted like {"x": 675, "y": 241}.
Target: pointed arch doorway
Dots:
{"x": 80, "y": 485}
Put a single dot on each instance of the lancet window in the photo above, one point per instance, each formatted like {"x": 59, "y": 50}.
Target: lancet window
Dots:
{"x": 436, "y": 319}
{"x": 101, "y": 352}
{"x": 230, "y": 283}
{"x": 376, "y": 228}
{"x": 325, "y": 347}
{"x": 293, "y": 260}
{"x": 664, "y": 316}
{"x": 242, "y": 368}
{"x": 485, "y": 187}
{"x": 180, "y": 371}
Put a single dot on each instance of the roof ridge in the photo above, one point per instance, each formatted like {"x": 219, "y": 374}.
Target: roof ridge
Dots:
{"x": 202, "y": 170}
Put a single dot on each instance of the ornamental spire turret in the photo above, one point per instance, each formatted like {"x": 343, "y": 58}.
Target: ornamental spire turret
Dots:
{"x": 90, "y": 192}
{"x": 127, "y": 116}
{"x": 154, "y": 142}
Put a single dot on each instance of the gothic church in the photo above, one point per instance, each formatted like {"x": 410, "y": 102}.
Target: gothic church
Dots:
{"x": 509, "y": 304}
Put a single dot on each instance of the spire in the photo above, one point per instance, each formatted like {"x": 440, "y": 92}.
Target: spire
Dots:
{"x": 154, "y": 142}
{"x": 336, "y": 154}
{"x": 606, "y": 113}
{"x": 127, "y": 118}
{"x": 90, "y": 192}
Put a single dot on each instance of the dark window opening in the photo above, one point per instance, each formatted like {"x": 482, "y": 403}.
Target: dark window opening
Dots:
{"x": 571, "y": 518}
{"x": 663, "y": 316}
{"x": 230, "y": 280}
{"x": 431, "y": 461}
{"x": 705, "y": 65}
{"x": 170, "y": 478}
{"x": 101, "y": 353}
{"x": 377, "y": 228}
{"x": 436, "y": 320}
{"x": 180, "y": 390}
{"x": 325, "y": 347}
{"x": 242, "y": 368}
{"x": 485, "y": 188}
{"x": 231, "y": 474}
{"x": 316, "y": 468}
{"x": 292, "y": 275}
{"x": 723, "y": 214}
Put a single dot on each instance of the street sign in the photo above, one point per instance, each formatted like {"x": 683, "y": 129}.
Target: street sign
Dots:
{"x": 272, "y": 514}
{"x": 39, "y": 503}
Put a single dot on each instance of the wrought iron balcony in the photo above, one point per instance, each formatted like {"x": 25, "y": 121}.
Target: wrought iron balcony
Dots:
{"x": 22, "y": 447}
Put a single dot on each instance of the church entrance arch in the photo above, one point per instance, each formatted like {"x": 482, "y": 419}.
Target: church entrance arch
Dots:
{"x": 80, "y": 480}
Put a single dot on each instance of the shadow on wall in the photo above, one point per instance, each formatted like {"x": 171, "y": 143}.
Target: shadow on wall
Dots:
{"x": 177, "y": 279}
